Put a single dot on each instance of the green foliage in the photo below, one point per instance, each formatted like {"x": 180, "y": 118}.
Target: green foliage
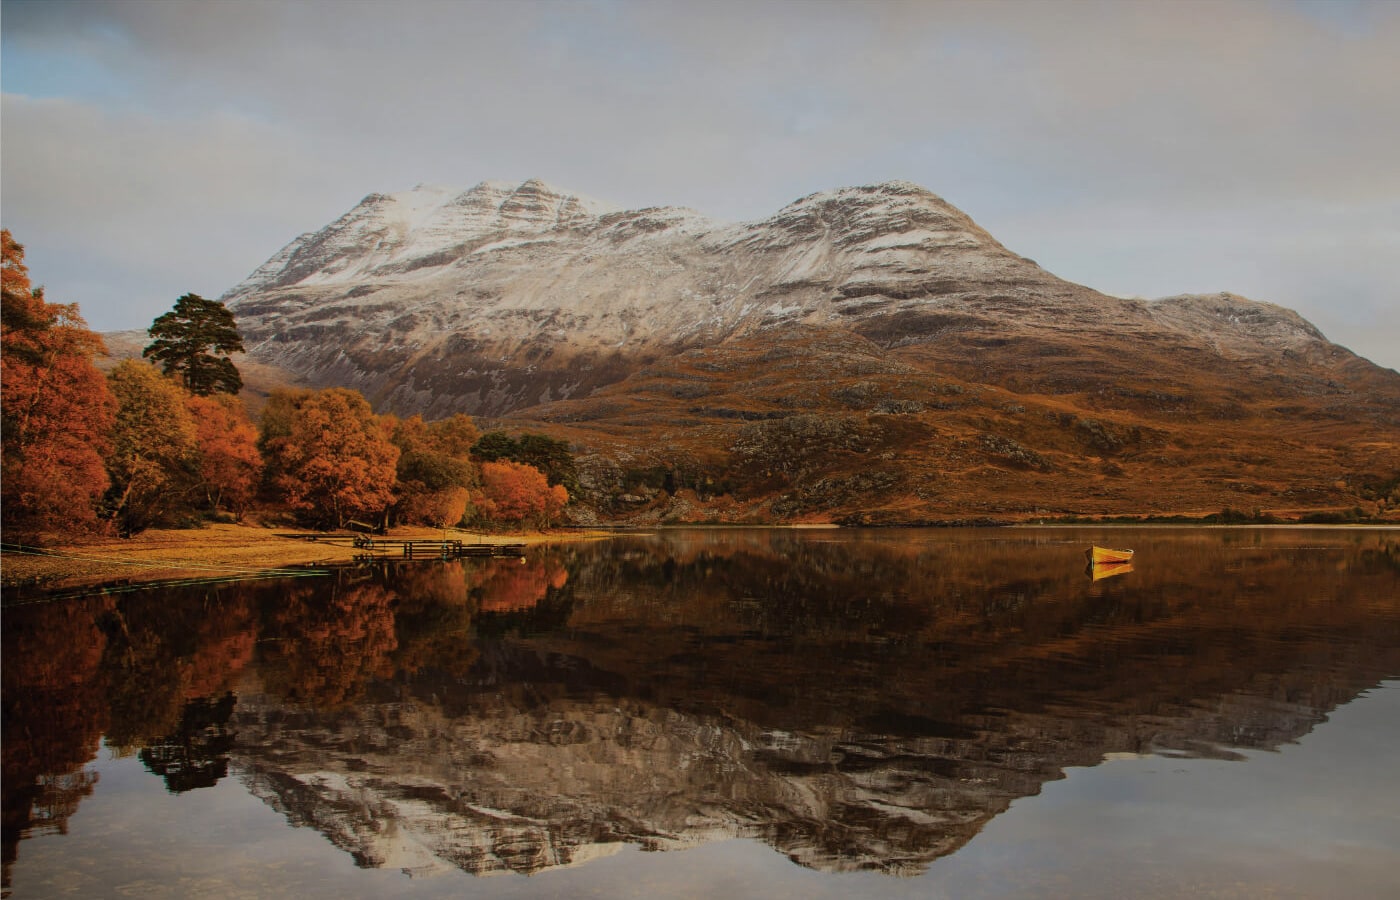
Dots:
{"x": 495, "y": 446}
{"x": 194, "y": 341}
{"x": 550, "y": 455}
{"x": 435, "y": 471}
{"x": 1231, "y": 516}
{"x": 1339, "y": 517}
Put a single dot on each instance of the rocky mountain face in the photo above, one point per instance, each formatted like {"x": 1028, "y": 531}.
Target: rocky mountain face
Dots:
{"x": 883, "y": 315}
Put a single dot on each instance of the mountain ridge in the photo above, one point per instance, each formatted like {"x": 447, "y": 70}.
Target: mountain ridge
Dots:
{"x": 532, "y": 305}
{"x": 643, "y": 280}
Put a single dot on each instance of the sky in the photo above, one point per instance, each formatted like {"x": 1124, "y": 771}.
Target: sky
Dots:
{"x": 149, "y": 149}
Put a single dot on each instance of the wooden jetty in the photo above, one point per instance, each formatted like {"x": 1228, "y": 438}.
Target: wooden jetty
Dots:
{"x": 414, "y": 548}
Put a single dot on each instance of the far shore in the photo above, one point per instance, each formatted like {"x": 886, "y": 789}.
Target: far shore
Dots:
{"x": 214, "y": 551}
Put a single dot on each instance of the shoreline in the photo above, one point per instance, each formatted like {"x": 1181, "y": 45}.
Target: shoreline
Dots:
{"x": 217, "y": 551}
{"x": 227, "y": 551}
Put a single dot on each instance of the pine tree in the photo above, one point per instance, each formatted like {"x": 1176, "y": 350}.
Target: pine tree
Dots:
{"x": 194, "y": 340}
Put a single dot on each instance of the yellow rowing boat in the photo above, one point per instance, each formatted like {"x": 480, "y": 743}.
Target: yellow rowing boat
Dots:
{"x": 1098, "y": 556}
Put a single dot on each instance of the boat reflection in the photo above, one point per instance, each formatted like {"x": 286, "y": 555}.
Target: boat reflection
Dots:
{"x": 1100, "y": 571}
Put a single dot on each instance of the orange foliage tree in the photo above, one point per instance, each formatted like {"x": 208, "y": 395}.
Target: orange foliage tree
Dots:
{"x": 329, "y": 456}
{"x": 514, "y": 493}
{"x": 435, "y": 471}
{"x": 229, "y": 461}
{"x": 154, "y": 455}
{"x": 55, "y": 406}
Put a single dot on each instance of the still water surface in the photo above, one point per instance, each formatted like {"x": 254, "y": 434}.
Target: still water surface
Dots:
{"x": 783, "y": 713}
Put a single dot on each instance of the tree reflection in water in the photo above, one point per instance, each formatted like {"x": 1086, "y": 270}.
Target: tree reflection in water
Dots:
{"x": 196, "y": 755}
{"x": 54, "y": 716}
{"x": 323, "y": 648}
{"x": 856, "y": 700}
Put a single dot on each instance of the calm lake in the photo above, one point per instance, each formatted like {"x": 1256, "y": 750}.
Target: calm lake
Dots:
{"x": 727, "y": 712}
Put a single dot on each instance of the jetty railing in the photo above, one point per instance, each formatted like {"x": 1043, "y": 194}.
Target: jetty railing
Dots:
{"x": 410, "y": 548}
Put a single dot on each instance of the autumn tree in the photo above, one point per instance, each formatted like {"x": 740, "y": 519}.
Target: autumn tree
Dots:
{"x": 331, "y": 458}
{"x": 550, "y": 455}
{"x": 194, "y": 341}
{"x": 55, "y": 409}
{"x": 274, "y": 428}
{"x": 517, "y": 494}
{"x": 153, "y": 461}
{"x": 435, "y": 471}
{"x": 454, "y": 435}
{"x": 229, "y": 461}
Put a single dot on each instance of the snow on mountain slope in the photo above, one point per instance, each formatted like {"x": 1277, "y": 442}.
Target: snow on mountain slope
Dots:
{"x": 424, "y": 228}
{"x": 503, "y": 296}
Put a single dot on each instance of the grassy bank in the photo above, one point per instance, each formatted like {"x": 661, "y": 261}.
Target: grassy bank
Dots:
{"x": 221, "y": 550}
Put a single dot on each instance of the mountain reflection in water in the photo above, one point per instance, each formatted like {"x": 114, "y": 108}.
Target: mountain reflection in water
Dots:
{"x": 856, "y": 700}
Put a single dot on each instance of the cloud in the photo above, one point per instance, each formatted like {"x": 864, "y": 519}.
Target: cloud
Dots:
{"x": 123, "y": 213}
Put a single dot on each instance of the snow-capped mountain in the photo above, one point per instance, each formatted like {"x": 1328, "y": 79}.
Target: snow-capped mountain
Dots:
{"x": 845, "y": 357}
{"x": 418, "y": 229}
{"x": 501, "y": 297}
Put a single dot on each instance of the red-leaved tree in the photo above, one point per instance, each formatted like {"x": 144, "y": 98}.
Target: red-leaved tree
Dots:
{"x": 514, "y": 493}
{"x": 55, "y": 407}
{"x": 330, "y": 456}
{"x": 229, "y": 461}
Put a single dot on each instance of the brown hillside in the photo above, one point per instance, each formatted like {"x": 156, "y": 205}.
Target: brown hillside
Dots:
{"x": 813, "y": 424}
